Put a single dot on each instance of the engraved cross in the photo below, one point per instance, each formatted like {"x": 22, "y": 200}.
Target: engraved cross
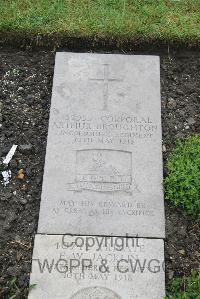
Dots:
{"x": 105, "y": 80}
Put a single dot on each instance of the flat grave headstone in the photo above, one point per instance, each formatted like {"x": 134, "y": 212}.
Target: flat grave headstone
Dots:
{"x": 66, "y": 267}
{"x": 103, "y": 168}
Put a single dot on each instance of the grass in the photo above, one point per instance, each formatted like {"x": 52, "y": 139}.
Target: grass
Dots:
{"x": 182, "y": 185}
{"x": 143, "y": 20}
{"x": 185, "y": 288}
{"x": 14, "y": 291}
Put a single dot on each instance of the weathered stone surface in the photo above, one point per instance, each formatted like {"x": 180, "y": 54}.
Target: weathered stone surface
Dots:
{"x": 103, "y": 169}
{"x": 91, "y": 267}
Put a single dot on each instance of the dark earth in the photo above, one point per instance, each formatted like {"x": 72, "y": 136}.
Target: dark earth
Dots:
{"x": 25, "y": 94}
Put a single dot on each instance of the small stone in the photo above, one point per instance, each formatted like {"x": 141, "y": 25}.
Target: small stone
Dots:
{"x": 24, "y": 187}
{"x": 164, "y": 148}
{"x": 191, "y": 121}
{"x": 181, "y": 251}
{"x": 24, "y": 201}
{"x": 25, "y": 147}
{"x": 17, "y": 238}
{"x": 164, "y": 67}
{"x": 180, "y": 92}
{"x": 197, "y": 253}
{"x": 181, "y": 112}
{"x": 171, "y": 103}
{"x": 2, "y": 198}
{"x": 171, "y": 274}
{"x": 187, "y": 127}
{"x": 20, "y": 88}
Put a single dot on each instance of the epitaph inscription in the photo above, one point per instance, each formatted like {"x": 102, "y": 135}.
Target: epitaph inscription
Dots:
{"x": 103, "y": 167}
